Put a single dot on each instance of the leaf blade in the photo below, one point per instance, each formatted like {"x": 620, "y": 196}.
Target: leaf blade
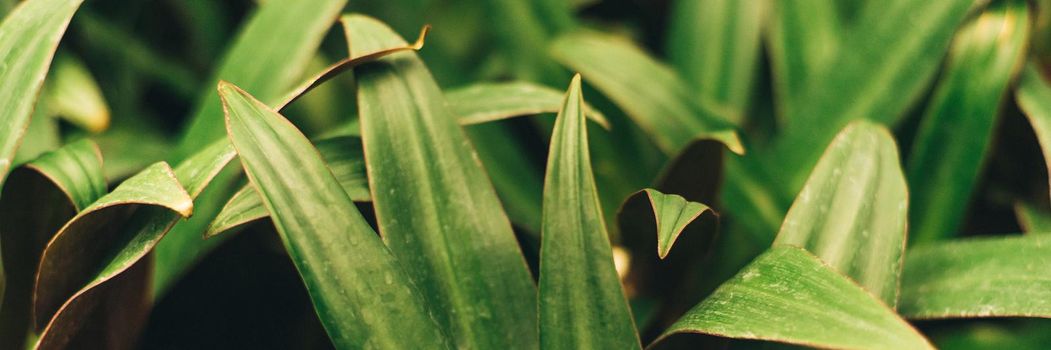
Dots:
{"x": 358, "y": 304}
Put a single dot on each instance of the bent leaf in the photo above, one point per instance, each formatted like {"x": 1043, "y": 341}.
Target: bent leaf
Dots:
{"x": 957, "y": 127}
{"x": 37, "y": 199}
{"x": 486, "y": 102}
{"x": 1034, "y": 98}
{"x": 665, "y": 109}
{"x": 363, "y": 299}
{"x": 287, "y": 33}
{"x": 787, "y": 295}
{"x": 344, "y": 157}
{"x": 459, "y": 246}
{"x": 978, "y": 277}
{"x": 71, "y": 265}
{"x": 852, "y": 211}
{"x": 671, "y": 215}
{"x": 582, "y": 304}
{"x": 29, "y": 36}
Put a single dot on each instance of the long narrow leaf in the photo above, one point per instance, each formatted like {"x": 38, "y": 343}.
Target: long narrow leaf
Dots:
{"x": 802, "y": 36}
{"x": 715, "y": 45}
{"x": 29, "y": 36}
{"x": 582, "y": 304}
{"x": 666, "y": 109}
{"x": 878, "y": 73}
{"x": 458, "y": 246}
{"x": 364, "y": 299}
{"x": 957, "y": 128}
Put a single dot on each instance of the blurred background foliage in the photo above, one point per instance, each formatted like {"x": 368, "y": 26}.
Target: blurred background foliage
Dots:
{"x": 141, "y": 67}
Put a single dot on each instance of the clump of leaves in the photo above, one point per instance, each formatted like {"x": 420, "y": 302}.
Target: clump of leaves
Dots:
{"x": 798, "y": 172}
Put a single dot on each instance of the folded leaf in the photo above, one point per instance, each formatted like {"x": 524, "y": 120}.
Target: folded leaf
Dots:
{"x": 286, "y": 33}
{"x": 29, "y": 36}
{"x": 715, "y": 46}
{"x": 486, "y": 102}
{"x": 664, "y": 107}
{"x": 71, "y": 265}
{"x": 458, "y": 246}
{"x": 978, "y": 277}
{"x": 957, "y": 127}
{"x": 787, "y": 295}
{"x": 37, "y": 199}
{"x": 650, "y": 223}
{"x": 364, "y": 299}
{"x": 852, "y": 211}
{"x": 344, "y": 157}
{"x": 582, "y": 305}
{"x": 1034, "y": 98}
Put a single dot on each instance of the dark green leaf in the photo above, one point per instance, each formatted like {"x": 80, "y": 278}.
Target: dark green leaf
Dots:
{"x": 667, "y": 109}
{"x": 715, "y": 45}
{"x": 29, "y": 36}
{"x": 435, "y": 207}
{"x": 364, "y": 299}
{"x": 1034, "y": 98}
{"x": 958, "y": 124}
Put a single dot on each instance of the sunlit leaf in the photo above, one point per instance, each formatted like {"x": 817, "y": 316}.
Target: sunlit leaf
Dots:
{"x": 29, "y": 36}
{"x": 487, "y": 102}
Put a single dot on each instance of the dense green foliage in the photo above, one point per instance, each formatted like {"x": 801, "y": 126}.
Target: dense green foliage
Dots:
{"x": 554, "y": 174}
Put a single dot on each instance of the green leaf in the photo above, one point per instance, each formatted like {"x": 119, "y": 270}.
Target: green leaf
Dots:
{"x": 486, "y": 102}
{"x": 582, "y": 305}
{"x": 286, "y": 33}
{"x": 29, "y": 36}
{"x": 802, "y": 37}
{"x": 1034, "y": 98}
{"x": 177, "y": 255}
{"x": 880, "y": 70}
{"x": 37, "y": 199}
{"x": 714, "y": 44}
{"x": 789, "y": 296}
{"x": 650, "y": 223}
{"x": 852, "y": 211}
{"x": 666, "y": 109}
{"x": 458, "y": 244}
{"x": 364, "y": 299}
{"x": 957, "y": 127}
{"x": 344, "y": 157}
{"x": 73, "y": 267}
{"x": 978, "y": 277}
{"x": 670, "y": 215}
{"x": 73, "y": 94}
